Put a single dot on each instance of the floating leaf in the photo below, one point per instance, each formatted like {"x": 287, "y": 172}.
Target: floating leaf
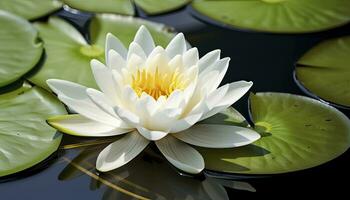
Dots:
{"x": 325, "y": 71}
{"x": 69, "y": 54}
{"x": 152, "y": 7}
{"x": 20, "y": 50}
{"x": 25, "y": 137}
{"x": 279, "y": 16}
{"x": 297, "y": 133}
{"x": 30, "y": 9}
{"x": 126, "y": 7}
{"x": 123, "y": 7}
{"x": 230, "y": 116}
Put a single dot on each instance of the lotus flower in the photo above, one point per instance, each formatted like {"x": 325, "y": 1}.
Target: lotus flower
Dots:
{"x": 148, "y": 93}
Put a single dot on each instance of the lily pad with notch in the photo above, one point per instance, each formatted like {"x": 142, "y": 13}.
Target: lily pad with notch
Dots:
{"x": 297, "y": 133}
{"x": 324, "y": 71}
{"x": 69, "y": 53}
{"x": 276, "y": 16}
{"x": 25, "y": 137}
{"x": 20, "y": 48}
{"x": 30, "y": 9}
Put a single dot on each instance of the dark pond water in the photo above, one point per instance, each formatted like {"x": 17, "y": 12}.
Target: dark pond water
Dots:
{"x": 266, "y": 59}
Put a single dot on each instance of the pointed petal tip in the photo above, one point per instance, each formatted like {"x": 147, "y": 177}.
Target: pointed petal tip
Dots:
{"x": 143, "y": 27}
{"x": 109, "y": 35}
{"x": 55, "y": 84}
{"x": 51, "y": 121}
{"x": 90, "y": 92}
{"x": 180, "y": 35}
{"x": 94, "y": 61}
{"x": 50, "y": 82}
{"x": 102, "y": 168}
{"x": 152, "y": 135}
{"x": 96, "y": 64}
{"x": 217, "y": 51}
{"x": 226, "y": 59}
{"x": 53, "y": 81}
{"x": 249, "y": 84}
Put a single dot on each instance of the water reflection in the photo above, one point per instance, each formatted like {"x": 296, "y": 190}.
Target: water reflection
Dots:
{"x": 148, "y": 176}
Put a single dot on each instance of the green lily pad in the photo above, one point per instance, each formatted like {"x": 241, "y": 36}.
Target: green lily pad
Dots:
{"x": 25, "y": 137}
{"x": 278, "y": 16}
{"x": 152, "y": 7}
{"x": 126, "y": 7}
{"x": 325, "y": 71}
{"x": 20, "y": 49}
{"x": 230, "y": 116}
{"x": 69, "y": 54}
{"x": 123, "y": 7}
{"x": 30, "y": 9}
{"x": 297, "y": 133}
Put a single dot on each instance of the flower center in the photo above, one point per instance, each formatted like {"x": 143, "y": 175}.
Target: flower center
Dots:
{"x": 157, "y": 84}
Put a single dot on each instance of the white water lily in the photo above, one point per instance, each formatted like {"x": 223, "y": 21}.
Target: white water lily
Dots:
{"x": 154, "y": 94}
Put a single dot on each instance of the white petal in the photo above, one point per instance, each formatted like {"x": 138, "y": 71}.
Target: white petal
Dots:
{"x": 67, "y": 88}
{"x": 89, "y": 110}
{"x": 155, "y": 51}
{"x": 78, "y": 125}
{"x": 104, "y": 79}
{"x": 177, "y": 46}
{"x": 102, "y": 102}
{"x": 114, "y": 43}
{"x": 208, "y": 59}
{"x": 127, "y": 116}
{"x": 158, "y": 62}
{"x": 152, "y": 135}
{"x": 134, "y": 63}
{"x": 121, "y": 152}
{"x": 191, "y": 57}
{"x": 235, "y": 91}
{"x": 129, "y": 98}
{"x": 146, "y": 105}
{"x": 181, "y": 155}
{"x": 218, "y": 102}
{"x": 174, "y": 100}
{"x": 144, "y": 38}
{"x": 115, "y": 61}
{"x": 185, "y": 123}
{"x": 205, "y": 81}
{"x": 176, "y": 63}
{"x": 162, "y": 119}
{"x": 135, "y": 48}
{"x": 221, "y": 66}
{"x": 217, "y": 136}
{"x": 75, "y": 97}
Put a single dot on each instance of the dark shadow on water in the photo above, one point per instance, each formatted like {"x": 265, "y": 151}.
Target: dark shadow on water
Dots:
{"x": 149, "y": 175}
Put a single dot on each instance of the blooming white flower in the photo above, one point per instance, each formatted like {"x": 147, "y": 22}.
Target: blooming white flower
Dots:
{"x": 153, "y": 94}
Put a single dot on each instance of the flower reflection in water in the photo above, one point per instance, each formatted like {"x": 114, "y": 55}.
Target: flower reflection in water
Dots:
{"x": 148, "y": 176}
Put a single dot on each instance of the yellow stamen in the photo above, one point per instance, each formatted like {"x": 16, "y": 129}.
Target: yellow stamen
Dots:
{"x": 157, "y": 84}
